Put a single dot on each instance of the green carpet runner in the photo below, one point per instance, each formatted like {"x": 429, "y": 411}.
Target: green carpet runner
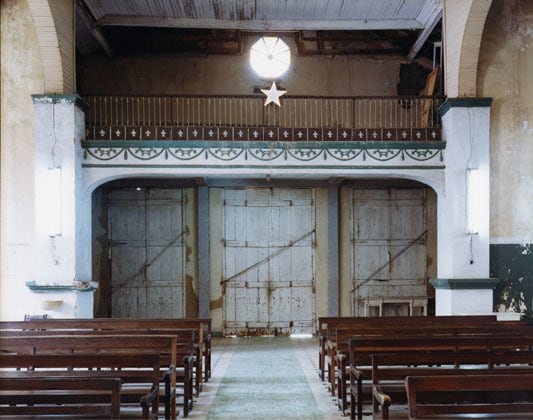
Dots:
{"x": 264, "y": 379}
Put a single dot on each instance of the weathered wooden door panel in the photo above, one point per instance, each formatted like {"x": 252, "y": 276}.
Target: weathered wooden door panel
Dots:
{"x": 130, "y": 301}
{"x": 389, "y": 256}
{"x": 269, "y": 261}
{"x": 164, "y": 302}
{"x": 146, "y": 251}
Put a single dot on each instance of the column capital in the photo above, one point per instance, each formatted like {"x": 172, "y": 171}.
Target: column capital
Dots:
{"x": 464, "y": 103}
{"x": 55, "y": 98}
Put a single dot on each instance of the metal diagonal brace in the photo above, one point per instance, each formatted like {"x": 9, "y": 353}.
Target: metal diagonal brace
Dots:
{"x": 388, "y": 263}
{"x": 267, "y": 258}
{"x": 147, "y": 264}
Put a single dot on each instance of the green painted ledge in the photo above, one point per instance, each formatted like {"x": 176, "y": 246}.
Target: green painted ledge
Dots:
{"x": 54, "y": 287}
{"x": 464, "y": 103}
{"x": 464, "y": 283}
{"x": 54, "y": 98}
{"x": 402, "y": 145}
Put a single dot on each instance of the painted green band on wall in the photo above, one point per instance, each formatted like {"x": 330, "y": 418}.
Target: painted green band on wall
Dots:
{"x": 464, "y": 283}
{"x": 397, "y": 145}
{"x": 513, "y": 265}
{"x": 51, "y": 287}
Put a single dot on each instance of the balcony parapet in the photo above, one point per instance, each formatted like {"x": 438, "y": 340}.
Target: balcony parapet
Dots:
{"x": 300, "y": 118}
{"x": 203, "y": 131}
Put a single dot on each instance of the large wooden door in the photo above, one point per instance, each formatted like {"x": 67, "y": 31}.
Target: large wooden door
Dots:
{"x": 389, "y": 251}
{"x": 269, "y": 261}
{"x": 146, "y": 250}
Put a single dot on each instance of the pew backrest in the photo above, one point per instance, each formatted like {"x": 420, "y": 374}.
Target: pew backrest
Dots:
{"x": 452, "y": 388}
{"x": 59, "y": 396}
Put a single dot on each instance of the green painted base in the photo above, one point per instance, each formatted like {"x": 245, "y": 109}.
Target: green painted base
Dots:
{"x": 513, "y": 264}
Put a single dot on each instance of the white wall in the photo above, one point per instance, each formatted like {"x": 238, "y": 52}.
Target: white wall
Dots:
{"x": 21, "y": 76}
{"x": 505, "y": 74}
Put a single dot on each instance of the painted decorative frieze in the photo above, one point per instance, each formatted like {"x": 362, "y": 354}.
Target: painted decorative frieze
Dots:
{"x": 253, "y": 153}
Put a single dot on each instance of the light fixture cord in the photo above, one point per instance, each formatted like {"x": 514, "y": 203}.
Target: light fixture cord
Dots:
{"x": 53, "y": 150}
{"x": 471, "y": 249}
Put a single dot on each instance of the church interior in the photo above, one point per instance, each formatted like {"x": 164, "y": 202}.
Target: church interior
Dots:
{"x": 269, "y": 181}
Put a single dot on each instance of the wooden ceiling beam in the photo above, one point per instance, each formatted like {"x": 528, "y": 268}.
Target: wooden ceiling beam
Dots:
{"x": 433, "y": 18}
{"x": 260, "y": 25}
{"x": 85, "y": 15}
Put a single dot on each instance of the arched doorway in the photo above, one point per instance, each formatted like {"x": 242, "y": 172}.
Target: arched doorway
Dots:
{"x": 140, "y": 248}
{"x": 269, "y": 247}
{"x": 388, "y": 234}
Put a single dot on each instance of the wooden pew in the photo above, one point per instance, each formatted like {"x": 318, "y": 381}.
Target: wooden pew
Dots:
{"x": 361, "y": 351}
{"x": 54, "y": 396}
{"x": 338, "y": 348}
{"x": 201, "y": 326}
{"x": 140, "y": 373}
{"x": 509, "y": 396}
{"x": 327, "y": 327}
{"x": 390, "y": 370}
{"x": 337, "y": 343}
{"x": 100, "y": 344}
{"x": 185, "y": 346}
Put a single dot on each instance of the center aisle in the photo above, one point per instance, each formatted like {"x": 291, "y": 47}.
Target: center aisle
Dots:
{"x": 266, "y": 377}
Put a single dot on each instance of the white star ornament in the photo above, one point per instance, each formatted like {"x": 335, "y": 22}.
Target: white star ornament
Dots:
{"x": 273, "y": 94}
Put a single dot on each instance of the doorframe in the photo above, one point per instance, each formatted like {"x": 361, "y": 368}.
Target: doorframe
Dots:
{"x": 345, "y": 240}
{"x": 99, "y": 248}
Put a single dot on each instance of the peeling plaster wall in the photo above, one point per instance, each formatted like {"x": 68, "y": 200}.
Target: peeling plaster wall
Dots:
{"x": 190, "y": 242}
{"x": 232, "y": 75}
{"x": 101, "y": 271}
{"x": 21, "y": 75}
{"x": 505, "y": 73}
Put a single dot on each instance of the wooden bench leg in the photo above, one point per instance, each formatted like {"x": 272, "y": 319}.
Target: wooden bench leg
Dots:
{"x": 342, "y": 401}
{"x": 207, "y": 367}
{"x": 198, "y": 370}
{"x": 352, "y": 405}
{"x": 319, "y": 365}
{"x": 359, "y": 399}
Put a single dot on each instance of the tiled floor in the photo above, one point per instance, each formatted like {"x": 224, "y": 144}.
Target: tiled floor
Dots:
{"x": 228, "y": 351}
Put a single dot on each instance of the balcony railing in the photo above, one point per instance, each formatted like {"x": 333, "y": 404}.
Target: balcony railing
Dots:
{"x": 246, "y": 118}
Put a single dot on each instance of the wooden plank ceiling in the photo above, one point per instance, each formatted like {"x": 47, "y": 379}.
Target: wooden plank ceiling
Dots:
{"x": 365, "y": 27}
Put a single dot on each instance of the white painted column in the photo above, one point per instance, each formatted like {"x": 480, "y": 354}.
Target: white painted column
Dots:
{"x": 62, "y": 213}
{"x": 462, "y": 255}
